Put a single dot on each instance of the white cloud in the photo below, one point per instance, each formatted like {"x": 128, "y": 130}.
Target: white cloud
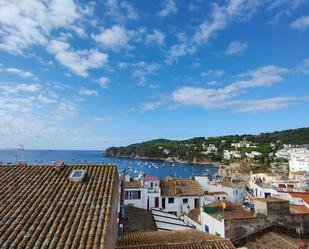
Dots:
{"x": 301, "y": 23}
{"x": 211, "y": 98}
{"x": 168, "y": 8}
{"x": 120, "y": 11}
{"x": 304, "y": 67}
{"x": 262, "y": 105}
{"x": 151, "y": 106}
{"x": 178, "y": 50}
{"x": 236, "y": 47}
{"x": 65, "y": 109}
{"x": 143, "y": 69}
{"x": 23, "y": 87}
{"x": 88, "y": 92}
{"x": 106, "y": 118}
{"x": 114, "y": 38}
{"x": 283, "y": 8}
{"x": 26, "y": 23}
{"x": 79, "y": 61}
{"x": 221, "y": 16}
{"x": 19, "y": 72}
{"x": 206, "y": 29}
{"x": 213, "y": 73}
{"x": 103, "y": 81}
{"x": 157, "y": 37}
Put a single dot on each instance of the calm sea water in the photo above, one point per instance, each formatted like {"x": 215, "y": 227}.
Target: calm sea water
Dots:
{"x": 149, "y": 167}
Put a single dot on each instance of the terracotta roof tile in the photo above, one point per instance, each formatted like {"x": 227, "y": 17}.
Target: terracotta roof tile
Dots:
{"x": 271, "y": 199}
{"x": 294, "y": 209}
{"x": 180, "y": 187}
{"x": 188, "y": 239}
{"x": 132, "y": 184}
{"x": 41, "y": 208}
{"x": 304, "y": 196}
{"x": 194, "y": 214}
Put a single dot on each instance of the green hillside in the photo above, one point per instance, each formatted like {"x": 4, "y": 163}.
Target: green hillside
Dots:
{"x": 193, "y": 150}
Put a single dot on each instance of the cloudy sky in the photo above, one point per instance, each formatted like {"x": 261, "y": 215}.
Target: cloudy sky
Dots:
{"x": 91, "y": 74}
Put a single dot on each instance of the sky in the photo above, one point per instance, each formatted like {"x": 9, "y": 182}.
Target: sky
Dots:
{"x": 93, "y": 74}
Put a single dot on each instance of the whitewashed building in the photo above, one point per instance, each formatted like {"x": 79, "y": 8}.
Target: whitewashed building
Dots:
{"x": 299, "y": 162}
{"x": 234, "y": 192}
{"x": 143, "y": 192}
{"x": 180, "y": 196}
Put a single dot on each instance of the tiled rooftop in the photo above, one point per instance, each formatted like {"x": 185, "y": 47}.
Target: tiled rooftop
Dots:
{"x": 296, "y": 209}
{"x": 132, "y": 184}
{"x": 304, "y": 196}
{"x": 194, "y": 214}
{"x": 180, "y": 187}
{"x": 189, "y": 239}
{"x": 216, "y": 193}
{"x": 271, "y": 199}
{"x": 152, "y": 178}
{"x": 41, "y": 208}
{"x": 139, "y": 220}
{"x": 270, "y": 240}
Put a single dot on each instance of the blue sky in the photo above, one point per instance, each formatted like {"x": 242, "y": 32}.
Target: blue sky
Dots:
{"x": 88, "y": 75}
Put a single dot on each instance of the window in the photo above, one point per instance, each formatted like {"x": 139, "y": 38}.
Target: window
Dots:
{"x": 185, "y": 201}
{"x": 223, "y": 198}
{"x": 133, "y": 194}
{"x": 151, "y": 184}
{"x": 171, "y": 200}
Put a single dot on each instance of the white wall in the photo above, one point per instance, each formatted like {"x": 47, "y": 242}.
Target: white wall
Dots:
{"x": 215, "y": 226}
{"x": 135, "y": 202}
{"x": 203, "y": 181}
{"x": 193, "y": 223}
{"x": 178, "y": 206}
{"x": 260, "y": 192}
{"x": 234, "y": 194}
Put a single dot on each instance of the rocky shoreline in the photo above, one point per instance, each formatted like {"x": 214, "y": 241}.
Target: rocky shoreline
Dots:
{"x": 171, "y": 160}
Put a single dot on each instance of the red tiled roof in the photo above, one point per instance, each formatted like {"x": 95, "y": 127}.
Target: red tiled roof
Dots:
{"x": 152, "y": 178}
{"x": 41, "y": 208}
{"x": 304, "y": 196}
{"x": 216, "y": 193}
{"x": 188, "y": 239}
{"x": 296, "y": 209}
{"x": 180, "y": 187}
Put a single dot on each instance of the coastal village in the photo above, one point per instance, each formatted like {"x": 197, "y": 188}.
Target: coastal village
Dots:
{"x": 95, "y": 206}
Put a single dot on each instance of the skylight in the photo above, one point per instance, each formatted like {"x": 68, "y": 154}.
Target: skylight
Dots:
{"x": 77, "y": 175}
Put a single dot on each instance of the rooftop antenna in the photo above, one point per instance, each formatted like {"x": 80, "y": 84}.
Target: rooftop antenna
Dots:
{"x": 22, "y": 149}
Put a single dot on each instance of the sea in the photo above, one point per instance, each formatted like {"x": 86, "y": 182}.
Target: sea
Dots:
{"x": 134, "y": 166}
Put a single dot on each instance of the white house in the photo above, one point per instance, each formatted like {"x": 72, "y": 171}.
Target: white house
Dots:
{"x": 254, "y": 154}
{"x": 235, "y": 192}
{"x": 180, "y": 196}
{"x": 299, "y": 162}
{"x": 143, "y": 193}
{"x": 228, "y": 155}
{"x": 215, "y": 196}
{"x": 213, "y": 216}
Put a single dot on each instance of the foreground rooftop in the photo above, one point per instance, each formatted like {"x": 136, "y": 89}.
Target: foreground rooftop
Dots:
{"x": 41, "y": 208}
{"x": 189, "y": 239}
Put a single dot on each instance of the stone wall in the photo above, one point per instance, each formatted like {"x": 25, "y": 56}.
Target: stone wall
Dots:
{"x": 238, "y": 228}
